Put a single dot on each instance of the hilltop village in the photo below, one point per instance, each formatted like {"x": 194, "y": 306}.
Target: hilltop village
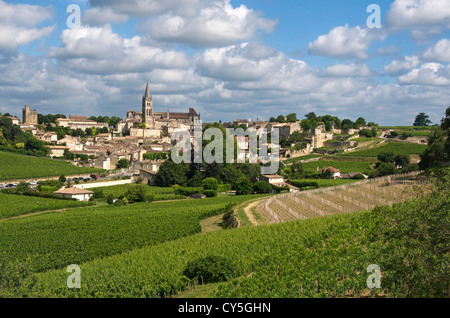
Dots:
{"x": 143, "y": 139}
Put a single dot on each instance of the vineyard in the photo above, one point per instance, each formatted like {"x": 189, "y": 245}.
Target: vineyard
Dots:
{"x": 396, "y": 147}
{"x": 363, "y": 195}
{"x": 79, "y": 235}
{"x": 158, "y": 193}
{"x": 14, "y": 205}
{"x": 15, "y": 167}
{"x": 318, "y": 257}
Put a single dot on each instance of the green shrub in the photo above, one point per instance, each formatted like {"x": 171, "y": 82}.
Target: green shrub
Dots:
{"x": 262, "y": 187}
{"x": 188, "y": 191}
{"x": 210, "y": 269}
{"x": 224, "y": 187}
{"x": 210, "y": 193}
{"x": 305, "y": 184}
{"x": 210, "y": 184}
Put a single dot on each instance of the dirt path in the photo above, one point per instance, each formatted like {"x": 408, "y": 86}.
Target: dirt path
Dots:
{"x": 248, "y": 211}
{"x": 47, "y": 211}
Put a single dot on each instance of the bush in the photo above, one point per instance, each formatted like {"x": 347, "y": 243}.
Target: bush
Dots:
{"x": 243, "y": 186}
{"x": 136, "y": 193}
{"x": 210, "y": 193}
{"x": 358, "y": 176}
{"x": 305, "y": 184}
{"x": 224, "y": 187}
{"x": 210, "y": 184}
{"x": 188, "y": 191}
{"x": 262, "y": 187}
{"x": 210, "y": 269}
{"x": 98, "y": 194}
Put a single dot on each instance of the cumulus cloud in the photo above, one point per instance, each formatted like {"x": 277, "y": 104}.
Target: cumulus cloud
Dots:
{"x": 100, "y": 50}
{"x": 413, "y": 13}
{"x": 350, "y": 70}
{"x": 142, "y": 8}
{"x": 440, "y": 52}
{"x": 98, "y": 16}
{"x": 344, "y": 42}
{"x": 433, "y": 74}
{"x": 403, "y": 65}
{"x": 216, "y": 23}
{"x": 19, "y": 24}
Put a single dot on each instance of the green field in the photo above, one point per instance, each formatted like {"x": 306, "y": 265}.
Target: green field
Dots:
{"x": 323, "y": 183}
{"x": 158, "y": 193}
{"x": 291, "y": 160}
{"x": 321, "y": 257}
{"x": 14, "y": 205}
{"x": 396, "y": 147}
{"x": 343, "y": 166}
{"x": 83, "y": 234}
{"x": 14, "y": 166}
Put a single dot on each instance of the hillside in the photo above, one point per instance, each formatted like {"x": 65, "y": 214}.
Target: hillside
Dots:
{"x": 15, "y": 166}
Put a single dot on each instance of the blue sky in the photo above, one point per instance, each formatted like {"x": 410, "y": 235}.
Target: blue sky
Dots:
{"x": 228, "y": 59}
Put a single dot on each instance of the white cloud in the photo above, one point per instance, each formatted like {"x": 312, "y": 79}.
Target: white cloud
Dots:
{"x": 98, "y": 50}
{"x": 351, "y": 70}
{"x": 440, "y": 52}
{"x": 343, "y": 42}
{"x": 413, "y": 13}
{"x": 18, "y": 24}
{"x": 101, "y": 16}
{"x": 433, "y": 74}
{"x": 214, "y": 23}
{"x": 143, "y": 8}
{"x": 401, "y": 66}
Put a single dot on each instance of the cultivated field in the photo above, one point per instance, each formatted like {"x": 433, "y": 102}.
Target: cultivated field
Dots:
{"x": 14, "y": 166}
{"x": 363, "y": 195}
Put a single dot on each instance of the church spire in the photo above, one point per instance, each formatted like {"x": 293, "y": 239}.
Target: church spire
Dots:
{"x": 147, "y": 91}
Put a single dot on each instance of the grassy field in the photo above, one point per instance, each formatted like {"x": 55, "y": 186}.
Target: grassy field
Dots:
{"x": 14, "y": 205}
{"x": 15, "y": 166}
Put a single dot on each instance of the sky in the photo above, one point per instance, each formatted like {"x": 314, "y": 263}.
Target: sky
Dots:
{"x": 228, "y": 59}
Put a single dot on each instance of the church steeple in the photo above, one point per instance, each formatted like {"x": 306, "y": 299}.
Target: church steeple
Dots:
{"x": 147, "y": 106}
{"x": 147, "y": 91}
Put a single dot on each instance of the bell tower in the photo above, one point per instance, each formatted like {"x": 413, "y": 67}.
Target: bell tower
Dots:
{"x": 147, "y": 107}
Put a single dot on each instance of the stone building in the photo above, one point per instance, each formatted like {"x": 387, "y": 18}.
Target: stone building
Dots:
{"x": 29, "y": 116}
{"x": 156, "y": 120}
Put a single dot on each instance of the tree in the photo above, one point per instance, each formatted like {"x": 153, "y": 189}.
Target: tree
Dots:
{"x": 360, "y": 122}
{"x": 436, "y": 152}
{"x": 62, "y": 178}
{"x": 214, "y": 170}
{"x": 210, "y": 184}
{"x": 231, "y": 174}
{"x": 136, "y": 193}
{"x": 262, "y": 187}
{"x": 281, "y": 119}
{"x": 291, "y": 118}
{"x": 386, "y": 157}
{"x": 297, "y": 170}
{"x": 171, "y": 173}
{"x": 402, "y": 160}
{"x": 123, "y": 164}
{"x": 311, "y": 115}
{"x": 347, "y": 124}
{"x": 243, "y": 186}
{"x": 422, "y": 120}
{"x": 385, "y": 169}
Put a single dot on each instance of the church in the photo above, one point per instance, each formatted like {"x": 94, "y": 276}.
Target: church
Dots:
{"x": 157, "y": 120}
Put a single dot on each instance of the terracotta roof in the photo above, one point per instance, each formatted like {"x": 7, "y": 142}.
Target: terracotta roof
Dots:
{"x": 73, "y": 190}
